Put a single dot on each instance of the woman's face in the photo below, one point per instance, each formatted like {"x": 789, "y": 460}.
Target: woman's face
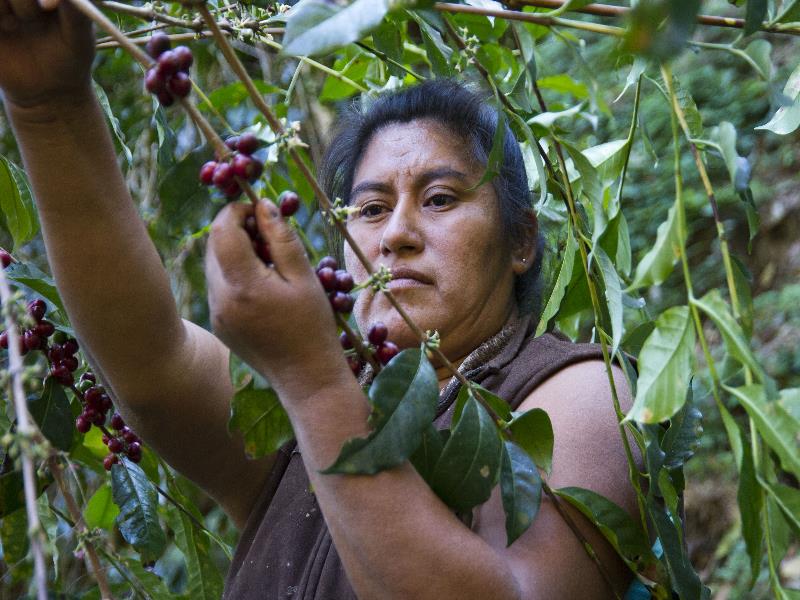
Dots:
{"x": 416, "y": 214}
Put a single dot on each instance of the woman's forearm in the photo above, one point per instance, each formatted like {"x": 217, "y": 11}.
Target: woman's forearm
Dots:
{"x": 395, "y": 537}
{"x": 108, "y": 271}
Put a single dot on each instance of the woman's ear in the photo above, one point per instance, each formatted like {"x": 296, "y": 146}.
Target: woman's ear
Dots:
{"x": 524, "y": 254}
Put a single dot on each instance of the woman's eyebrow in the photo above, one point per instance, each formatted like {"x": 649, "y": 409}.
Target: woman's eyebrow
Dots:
{"x": 422, "y": 180}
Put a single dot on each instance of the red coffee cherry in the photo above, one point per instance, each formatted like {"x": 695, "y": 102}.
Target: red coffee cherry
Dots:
{"x": 341, "y": 302}
{"x": 71, "y": 346}
{"x": 207, "y": 172}
{"x": 5, "y": 258}
{"x": 223, "y": 175}
{"x": 109, "y": 461}
{"x": 262, "y": 250}
{"x": 356, "y": 364}
{"x": 115, "y": 445}
{"x": 158, "y": 44}
{"x": 344, "y": 281}
{"x": 82, "y": 424}
{"x": 135, "y": 452}
{"x": 179, "y": 85}
{"x": 37, "y": 308}
{"x": 232, "y": 142}
{"x": 246, "y": 167}
{"x": 247, "y": 143}
{"x": 328, "y": 261}
{"x": 289, "y": 203}
{"x": 44, "y": 329}
{"x": 117, "y": 422}
{"x": 386, "y": 352}
{"x": 345, "y": 341}
{"x": 4, "y": 340}
{"x": 327, "y": 277}
{"x": 184, "y": 57}
{"x": 165, "y": 99}
{"x": 168, "y": 64}
{"x": 232, "y": 190}
{"x": 251, "y": 227}
{"x": 129, "y": 436}
{"x": 70, "y": 362}
{"x": 61, "y": 374}
{"x": 31, "y": 340}
{"x": 94, "y": 396}
{"x": 56, "y": 353}
{"x": 154, "y": 81}
{"x": 377, "y": 333}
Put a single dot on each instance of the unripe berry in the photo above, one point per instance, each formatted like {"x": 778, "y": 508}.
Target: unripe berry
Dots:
{"x": 5, "y": 258}
{"x": 45, "y": 329}
{"x": 109, "y": 461}
{"x": 377, "y": 333}
{"x": 71, "y": 346}
{"x": 327, "y": 277}
{"x": 179, "y": 85}
{"x": 184, "y": 56}
{"x": 328, "y": 261}
{"x": 37, "y": 308}
{"x": 154, "y": 82}
{"x": 386, "y": 352}
{"x": 207, "y": 172}
{"x": 82, "y": 424}
{"x": 59, "y": 337}
{"x": 247, "y": 143}
{"x": 115, "y": 445}
{"x": 117, "y": 422}
{"x": 223, "y": 175}
{"x": 83, "y": 386}
{"x": 289, "y": 203}
{"x": 341, "y": 302}
{"x": 344, "y": 281}
{"x": 158, "y": 44}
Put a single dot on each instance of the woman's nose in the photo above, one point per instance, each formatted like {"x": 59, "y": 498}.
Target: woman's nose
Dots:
{"x": 402, "y": 234}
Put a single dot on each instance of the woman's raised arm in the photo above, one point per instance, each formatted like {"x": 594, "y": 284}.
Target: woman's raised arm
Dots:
{"x": 170, "y": 376}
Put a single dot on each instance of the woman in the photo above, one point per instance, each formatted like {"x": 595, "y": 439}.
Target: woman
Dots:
{"x": 411, "y": 180}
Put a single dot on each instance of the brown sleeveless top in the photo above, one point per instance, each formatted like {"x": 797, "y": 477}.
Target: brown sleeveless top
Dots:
{"x": 286, "y": 551}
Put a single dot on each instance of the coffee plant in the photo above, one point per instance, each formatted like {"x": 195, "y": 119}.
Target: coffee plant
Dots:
{"x": 597, "y": 96}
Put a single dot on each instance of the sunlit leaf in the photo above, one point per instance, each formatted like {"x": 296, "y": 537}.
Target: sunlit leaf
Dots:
{"x": 787, "y": 118}
{"x": 657, "y": 264}
{"x": 664, "y": 367}
{"x": 258, "y": 415}
{"x": 533, "y": 432}
{"x": 101, "y": 511}
{"x": 521, "y": 490}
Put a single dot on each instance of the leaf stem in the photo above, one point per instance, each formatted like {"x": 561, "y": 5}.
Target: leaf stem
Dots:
{"x": 80, "y": 526}
{"x": 25, "y": 432}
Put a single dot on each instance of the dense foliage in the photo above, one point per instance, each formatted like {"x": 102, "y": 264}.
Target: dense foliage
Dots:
{"x": 652, "y": 147}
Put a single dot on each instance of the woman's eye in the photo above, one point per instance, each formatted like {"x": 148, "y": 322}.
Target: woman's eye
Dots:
{"x": 440, "y": 200}
{"x": 371, "y": 210}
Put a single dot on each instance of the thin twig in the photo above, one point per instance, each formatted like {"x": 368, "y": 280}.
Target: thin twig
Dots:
{"x": 25, "y": 435}
{"x": 149, "y": 14}
{"x": 80, "y": 526}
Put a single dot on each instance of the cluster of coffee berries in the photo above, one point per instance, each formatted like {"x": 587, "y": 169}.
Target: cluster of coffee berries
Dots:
{"x": 338, "y": 283}
{"x": 169, "y": 79}
{"x": 289, "y": 202}
{"x": 241, "y": 164}
{"x": 383, "y": 349}
{"x": 121, "y": 442}
{"x": 36, "y": 337}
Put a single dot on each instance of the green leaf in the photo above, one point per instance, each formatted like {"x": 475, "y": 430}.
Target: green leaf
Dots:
{"x": 521, "y": 490}
{"x": 562, "y": 282}
{"x": 428, "y": 452}
{"x": 613, "y": 295}
{"x": 790, "y": 13}
{"x": 261, "y": 419}
{"x": 589, "y": 177}
{"x": 469, "y": 465}
{"x": 683, "y": 435}
{"x": 403, "y": 398}
{"x": 388, "y": 39}
{"x": 16, "y": 203}
{"x": 316, "y": 27}
{"x": 750, "y": 498}
{"x": 53, "y": 415}
{"x": 14, "y": 536}
{"x": 498, "y": 405}
{"x": 755, "y": 13}
{"x": 436, "y": 50}
{"x": 138, "y": 504}
{"x": 693, "y": 118}
{"x": 495, "y": 161}
{"x": 533, "y": 431}
{"x": 12, "y": 497}
{"x": 665, "y": 364}
{"x": 101, "y": 511}
{"x": 657, "y": 264}
{"x": 204, "y": 579}
{"x": 778, "y": 428}
{"x": 716, "y": 309}
{"x": 759, "y": 51}
{"x": 37, "y": 281}
{"x": 113, "y": 121}
{"x": 738, "y": 166}
{"x": 788, "y": 500}
{"x": 787, "y": 118}
{"x": 569, "y": 5}
{"x": 616, "y": 525}
{"x": 608, "y": 158}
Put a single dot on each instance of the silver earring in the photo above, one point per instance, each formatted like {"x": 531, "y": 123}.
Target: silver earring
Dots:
{"x": 524, "y": 260}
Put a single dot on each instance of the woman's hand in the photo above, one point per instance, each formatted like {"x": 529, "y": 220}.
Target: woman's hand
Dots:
{"x": 47, "y": 48}
{"x": 277, "y": 319}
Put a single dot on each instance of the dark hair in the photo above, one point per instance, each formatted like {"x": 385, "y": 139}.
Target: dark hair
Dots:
{"x": 466, "y": 115}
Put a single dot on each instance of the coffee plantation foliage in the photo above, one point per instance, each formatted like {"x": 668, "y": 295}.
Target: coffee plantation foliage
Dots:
{"x": 663, "y": 164}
